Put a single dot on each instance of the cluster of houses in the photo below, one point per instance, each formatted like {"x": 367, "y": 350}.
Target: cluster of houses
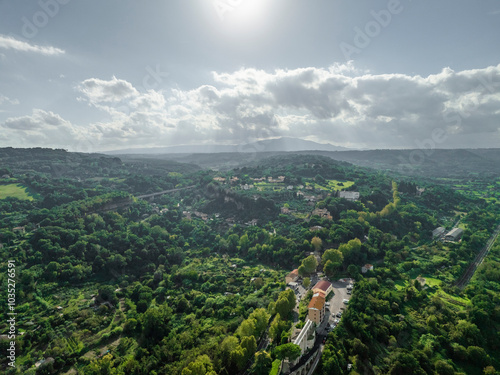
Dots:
{"x": 453, "y": 235}
{"x": 349, "y": 195}
{"x": 322, "y": 212}
{"x": 189, "y": 215}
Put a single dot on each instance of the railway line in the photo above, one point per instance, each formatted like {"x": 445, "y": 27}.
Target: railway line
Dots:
{"x": 466, "y": 277}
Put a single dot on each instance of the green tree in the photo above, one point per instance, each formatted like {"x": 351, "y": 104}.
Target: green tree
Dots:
{"x": 202, "y": 366}
{"x": 263, "y": 363}
{"x": 478, "y": 356}
{"x": 156, "y": 322}
{"x": 310, "y": 263}
{"x": 261, "y": 318}
{"x": 306, "y": 282}
{"x": 302, "y": 270}
{"x": 353, "y": 270}
{"x": 237, "y": 358}
{"x": 444, "y": 368}
{"x": 333, "y": 255}
{"x": 249, "y": 344}
{"x": 288, "y": 351}
{"x": 247, "y": 328}
{"x": 331, "y": 268}
{"x": 107, "y": 293}
{"x": 277, "y": 327}
{"x": 316, "y": 243}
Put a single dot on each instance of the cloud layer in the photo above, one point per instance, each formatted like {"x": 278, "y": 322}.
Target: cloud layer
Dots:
{"x": 338, "y": 104}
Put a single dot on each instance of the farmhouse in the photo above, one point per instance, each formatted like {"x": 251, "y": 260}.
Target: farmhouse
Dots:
{"x": 454, "y": 235}
{"x": 292, "y": 276}
{"x": 438, "y": 232}
{"x": 19, "y": 229}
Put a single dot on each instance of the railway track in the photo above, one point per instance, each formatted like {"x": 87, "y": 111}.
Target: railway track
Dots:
{"x": 466, "y": 277}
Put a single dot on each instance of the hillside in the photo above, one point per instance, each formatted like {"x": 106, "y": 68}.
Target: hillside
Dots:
{"x": 191, "y": 281}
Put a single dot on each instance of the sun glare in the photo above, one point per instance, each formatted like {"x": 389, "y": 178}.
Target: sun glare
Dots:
{"x": 242, "y": 15}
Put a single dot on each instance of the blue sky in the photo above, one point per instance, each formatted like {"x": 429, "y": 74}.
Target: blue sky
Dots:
{"x": 102, "y": 75}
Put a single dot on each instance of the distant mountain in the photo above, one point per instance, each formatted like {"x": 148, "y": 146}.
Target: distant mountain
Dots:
{"x": 283, "y": 144}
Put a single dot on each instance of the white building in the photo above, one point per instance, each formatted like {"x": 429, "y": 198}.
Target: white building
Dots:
{"x": 366, "y": 268}
{"x": 349, "y": 195}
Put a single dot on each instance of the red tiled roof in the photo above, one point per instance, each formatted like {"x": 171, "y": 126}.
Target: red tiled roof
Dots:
{"x": 323, "y": 285}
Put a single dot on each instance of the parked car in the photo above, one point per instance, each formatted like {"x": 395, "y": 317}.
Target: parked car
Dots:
{"x": 339, "y": 314}
{"x": 345, "y": 301}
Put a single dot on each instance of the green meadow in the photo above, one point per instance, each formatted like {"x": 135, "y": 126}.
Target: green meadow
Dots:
{"x": 15, "y": 191}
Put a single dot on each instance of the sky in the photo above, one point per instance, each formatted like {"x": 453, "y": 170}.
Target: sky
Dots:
{"x": 101, "y": 75}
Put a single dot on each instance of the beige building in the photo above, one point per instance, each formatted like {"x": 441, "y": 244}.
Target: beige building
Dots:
{"x": 323, "y": 286}
{"x": 316, "y": 308}
{"x": 292, "y": 276}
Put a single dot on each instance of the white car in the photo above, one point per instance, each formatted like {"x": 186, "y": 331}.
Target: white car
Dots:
{"x": 345, "y": 301}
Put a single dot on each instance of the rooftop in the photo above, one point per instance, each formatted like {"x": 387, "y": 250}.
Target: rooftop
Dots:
{"x": 317, "y": 302}
{"x": 323, "y": 285}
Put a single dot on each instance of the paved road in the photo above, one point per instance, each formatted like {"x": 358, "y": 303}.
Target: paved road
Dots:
{"x": 163, "y": 192}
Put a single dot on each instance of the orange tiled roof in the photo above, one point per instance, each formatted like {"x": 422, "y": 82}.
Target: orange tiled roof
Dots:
{"x": 317, "y": 302}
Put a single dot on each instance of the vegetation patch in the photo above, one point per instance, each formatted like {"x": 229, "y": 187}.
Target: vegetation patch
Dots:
{"x": 15, "y": 191}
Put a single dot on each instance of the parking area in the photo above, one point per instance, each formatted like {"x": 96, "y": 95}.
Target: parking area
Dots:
{"x": 336, "y": 305}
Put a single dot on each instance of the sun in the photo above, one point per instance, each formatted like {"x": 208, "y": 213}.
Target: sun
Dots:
{"x": 242, "y": 14}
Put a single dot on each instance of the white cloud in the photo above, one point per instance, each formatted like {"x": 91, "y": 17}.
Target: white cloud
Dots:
{"x": 6, "y": 100}
{"x": 8, "y": 42}
{"x": 338, "y": 105}
{"x": 115, "y": 90}
{"x": 39, "y": 120}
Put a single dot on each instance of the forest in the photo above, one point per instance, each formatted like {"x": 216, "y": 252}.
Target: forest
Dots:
{"x": 191, "y": 281}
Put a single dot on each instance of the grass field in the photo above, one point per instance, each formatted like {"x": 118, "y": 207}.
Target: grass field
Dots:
{"x": 14, "y": 190}
{"x": 339, "y": 185}
{"x": 333, "y": 185}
